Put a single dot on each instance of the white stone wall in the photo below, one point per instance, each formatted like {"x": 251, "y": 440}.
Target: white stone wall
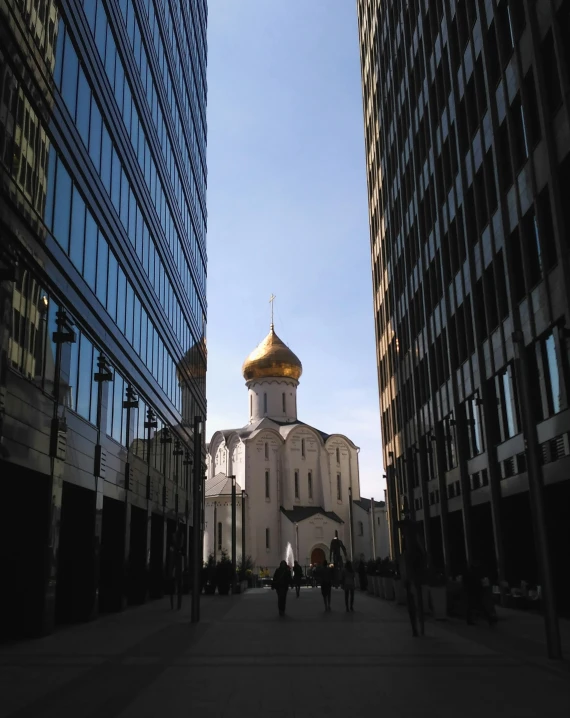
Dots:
{"x": 267, "y": 396}
{"x": 262, "y": 454}
{"x": 219, "y": 510}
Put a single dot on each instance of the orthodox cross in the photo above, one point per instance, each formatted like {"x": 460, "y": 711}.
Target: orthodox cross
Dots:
{"x": 272, "y": 298}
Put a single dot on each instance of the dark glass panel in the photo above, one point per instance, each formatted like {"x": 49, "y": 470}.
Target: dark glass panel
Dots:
{"x": 90, "y": 260}
{"x": 112, "y": 286}
{"x": 83, "y": 107}
{"x": 85, "y": 377}
{"x": 62, "y": 208}
{"x": 102, "y": 262}
{"x": 95, "y": 135}
{"x": 77, "y": 236}
{"x": 121, "y": 300}
{"x": 69, "y": 77}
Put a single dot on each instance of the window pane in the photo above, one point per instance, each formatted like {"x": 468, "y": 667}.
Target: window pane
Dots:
{"x": 85, "y": 377}
{"x": 95, "y": 135}
{"x": 83, "y": 107}
{"x": 50, "y": 188}
{"x": 137, "y": 326}
{"x": 62, "y": 206}
{"x": 90, "y": 261}
{"x": 69, "y": 388}
{"x": 509, "y": 411}
{"x": 117, "y": 407}
{"x": 112, "y": 287}
{"x": 69, "y": 76}
{"x": 106, "y": 159}
{"x": 116, "y": 180}
{"x": 130, "y": 312}
{"x": 121, "y": 300}
{"x": 553, "y": 374}
{"x": 102, "y": 261}
{"x": 144, "y": 343}
{"x": 77, "y": 237}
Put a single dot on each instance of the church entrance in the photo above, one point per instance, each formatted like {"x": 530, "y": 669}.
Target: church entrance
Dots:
{"x": 317, "y": 556}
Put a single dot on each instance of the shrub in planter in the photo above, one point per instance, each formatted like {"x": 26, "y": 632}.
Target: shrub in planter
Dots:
{"x": 224, "y": 574}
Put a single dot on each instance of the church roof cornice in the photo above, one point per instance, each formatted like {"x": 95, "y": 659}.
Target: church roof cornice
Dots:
{"x": 302, "y": 513}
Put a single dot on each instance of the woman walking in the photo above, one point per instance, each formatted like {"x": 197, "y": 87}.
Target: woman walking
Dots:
{"x": 326, "y": 579}
{"x": 281, "y": 582}
{"x": 348, "y": 585}
{"x": 297, "y": 576}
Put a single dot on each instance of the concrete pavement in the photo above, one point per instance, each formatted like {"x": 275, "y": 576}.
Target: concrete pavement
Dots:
{"x": 245, "y": 660}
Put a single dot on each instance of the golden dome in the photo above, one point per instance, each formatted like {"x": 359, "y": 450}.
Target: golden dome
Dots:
{"x": 272, "y": 358}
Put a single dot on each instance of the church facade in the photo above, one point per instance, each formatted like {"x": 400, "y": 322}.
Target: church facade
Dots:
{"x": 299, "y": 486}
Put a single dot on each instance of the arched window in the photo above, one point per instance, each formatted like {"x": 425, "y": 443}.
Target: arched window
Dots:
{"x": 310, "y": 484}
{"x": 265, "y": 403}
{"x": 360, "y": 528}
{"x": 266, "y": 450}
{"x": 338, "y": 455}
{"x": 303, "y": 447}
{"x": 267, "y": 485}
{"x": 267, "y": 542}
{"x": 338, "y": 487}
{"x": 219, "y": 536}
{"x": 296, "y": 484}
{"x": 284, "y": 403}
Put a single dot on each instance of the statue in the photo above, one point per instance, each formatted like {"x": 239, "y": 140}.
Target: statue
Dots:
{"x": 336, "y": 547}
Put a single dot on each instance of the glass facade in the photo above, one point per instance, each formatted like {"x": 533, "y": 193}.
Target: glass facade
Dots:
{"x": 463, "y": 105}
{"x": 103, "y": 247}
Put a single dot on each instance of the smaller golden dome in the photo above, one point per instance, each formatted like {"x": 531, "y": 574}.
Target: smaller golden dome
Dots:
{"x": 272, "y": 358}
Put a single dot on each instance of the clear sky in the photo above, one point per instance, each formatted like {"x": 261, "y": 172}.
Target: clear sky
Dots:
{"x": 287, "y": 213}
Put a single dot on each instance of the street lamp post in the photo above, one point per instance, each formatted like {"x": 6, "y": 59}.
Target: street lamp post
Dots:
{"x": 243, "y": 498}
{"x": 234, "y": 538}
{"x": 196, "y": 520}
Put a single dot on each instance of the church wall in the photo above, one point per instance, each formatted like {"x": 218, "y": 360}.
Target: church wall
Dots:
{"x": 219, "y": 510}
{"x": 264, "y": 511}
{"x": 266, "y": 399}
{"x": 343, "y": 462}
{"x": 319, "y": 531}
{"x": 302, "y": 454}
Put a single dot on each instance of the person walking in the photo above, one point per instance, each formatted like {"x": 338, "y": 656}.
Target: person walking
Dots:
{"x": 297, "y": 577}
{"x": 348, "y": 585}
{"x": 281, "y": 582}
{"x": 412, "y": 568}
{"x": 326, "y": 581}
{"x": 175, "y": 570}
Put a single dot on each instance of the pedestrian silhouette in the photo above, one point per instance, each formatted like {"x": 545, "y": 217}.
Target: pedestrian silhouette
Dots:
{"x": 297, "y": 576}
{"x": 348, "y": 585}
{"x": 325, "y": 574}
{"x": 281, "y": 583}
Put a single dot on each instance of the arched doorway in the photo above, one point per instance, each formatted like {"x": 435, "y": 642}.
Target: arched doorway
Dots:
{"x": 317, "y": 556}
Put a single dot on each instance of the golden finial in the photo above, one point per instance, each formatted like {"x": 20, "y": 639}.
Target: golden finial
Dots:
{"x": 272, "y": 298}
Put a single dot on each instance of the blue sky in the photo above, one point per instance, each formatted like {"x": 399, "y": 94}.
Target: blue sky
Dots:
{"x": 287, "y": 213}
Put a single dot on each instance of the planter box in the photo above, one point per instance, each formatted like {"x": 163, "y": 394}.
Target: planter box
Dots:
{"x": 381, "y": 592}
{"x": 438, "y": 601}
{"x": 370, "y": 586}
{"x": 401, "y": 598}
{"x": 389, "y": 589}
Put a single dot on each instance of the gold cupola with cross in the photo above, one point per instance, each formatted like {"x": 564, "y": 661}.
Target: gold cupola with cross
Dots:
{"x": 272, "y": 358}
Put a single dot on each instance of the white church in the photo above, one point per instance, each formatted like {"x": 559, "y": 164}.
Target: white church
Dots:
{"x": 298, "y": 484}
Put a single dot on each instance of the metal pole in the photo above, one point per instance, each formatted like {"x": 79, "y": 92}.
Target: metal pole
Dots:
{"x": 351, "y": 526}
{"x": 535, "y": 484}
{"x": 196, "y": 506}
{"x": 297, "y": 540}
{"x": 373, "y": 528}
{"x": 234, "y": 537}
{"x": 243, "y": 497}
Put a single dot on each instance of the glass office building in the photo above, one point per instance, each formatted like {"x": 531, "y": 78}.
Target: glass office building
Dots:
{"x": 467, "y": 132}
{"x": 103, "y": 298}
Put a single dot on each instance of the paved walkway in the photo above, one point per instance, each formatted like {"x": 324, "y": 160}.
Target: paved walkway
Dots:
{"x": 243, "y": 660}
